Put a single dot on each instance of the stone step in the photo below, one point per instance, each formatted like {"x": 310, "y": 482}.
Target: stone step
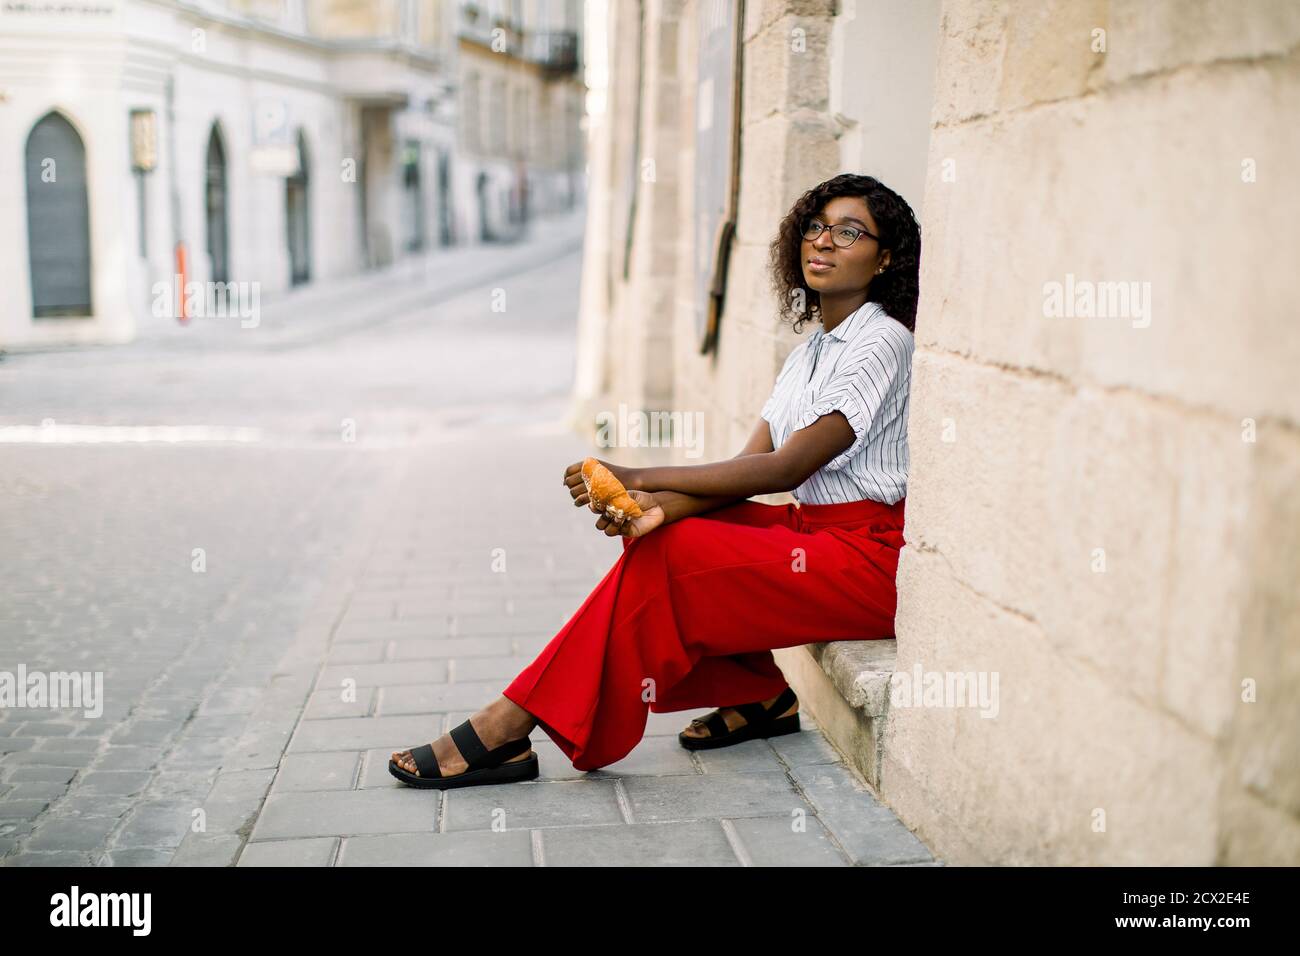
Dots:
{"x": 845, "y": 686}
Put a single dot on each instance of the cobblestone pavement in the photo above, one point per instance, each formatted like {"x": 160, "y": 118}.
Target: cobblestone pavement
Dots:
{"x": 338, "y": 557}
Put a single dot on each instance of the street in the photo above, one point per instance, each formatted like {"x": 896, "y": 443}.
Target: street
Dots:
{"x": 305, "y": 582}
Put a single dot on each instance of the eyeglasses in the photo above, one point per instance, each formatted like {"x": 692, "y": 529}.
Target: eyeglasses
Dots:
{"x": 842, "y": 236}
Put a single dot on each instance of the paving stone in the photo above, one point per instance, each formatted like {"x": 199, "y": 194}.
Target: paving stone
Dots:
{"x": 714, "y": 795}
{"x": 123, "y": 782}
{"x": 367, "y": 632}
{"x": 60, "y": 832}
{"x": 744, "y": 757}
{"x": 156, "y": 823}
{"x": 45, "y": 758}
{"x": 806, "y": 747}
{"x": 652, "y": 756}
{"x": 87, "y": 745}
{"x": 382, "y": 675}
{"x": 226, "y": 725}
{"x": 203, "y": 850}
{"x": 346, "y": 812}
{"x": 548, "y": 624}
{"x": 259, "y": 750}
{"x": 231, "y": 700}
{"x": 136, "y": 856}
{"x": 521, "y": 806}
{"x": 460, "y": 648}
{"x": 500, "y": 669}
{"x": 463, "y": 848}
{"x": 42, "y": 774}
{"x": 14, "y": 829}
{"x": 95, "y": 804}
{"x": 868, "y": 830}
{"x": 415, "y": 605}
{"x": 129, "y": 757}
{"x": 240, "y": 784}
{"x": 234, "y": 800}
{"x": 47, "y": 728}
{"x": 192, "y": 785}
{"x": 460, "y": 625}
{"x": 363, "y": 733}
{"x": 310, "y": 852}
{"x": 147, "y": 732}
{"x": 158, "y": 706}
{"x": 39, "y": 790}
{"x": 473, "y": 695}
{"x": 792, "y": 840}
{"x": 926, "y": 863}
{"x": 62, "y": 858}
{"x": 370, "y": 652}
{"x": 197, "y": 753}
{"x": 325, "y": 704}
{"x": 368, "y": 606}
{"x": 317, "y": 771}
{"x": 701, "y": 843}
{"x": 22, "y": 809}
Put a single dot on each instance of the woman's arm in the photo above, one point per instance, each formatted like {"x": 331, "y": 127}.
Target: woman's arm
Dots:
{"x": 753, "y": 473}
{"x": 679, "y": 505}
{"x": 676, "y": 504}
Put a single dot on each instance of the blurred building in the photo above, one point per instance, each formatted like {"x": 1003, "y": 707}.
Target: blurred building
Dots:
{"x": 282, "y": 142}
{"x": 1102, "y": 508}
{"x": 522, "y": 102}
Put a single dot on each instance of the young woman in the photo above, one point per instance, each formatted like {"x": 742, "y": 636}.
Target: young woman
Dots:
{"x": 708, "y": 582}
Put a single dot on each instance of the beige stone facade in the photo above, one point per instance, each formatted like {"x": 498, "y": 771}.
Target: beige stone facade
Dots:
{"x": 1104, "y": 498}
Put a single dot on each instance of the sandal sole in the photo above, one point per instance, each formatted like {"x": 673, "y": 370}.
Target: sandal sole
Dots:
{"x": 777, "y": 728}
{"x": 502, "y": 773}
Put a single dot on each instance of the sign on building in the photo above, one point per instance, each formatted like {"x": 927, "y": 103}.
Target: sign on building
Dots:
{"x": 275, "y": 149}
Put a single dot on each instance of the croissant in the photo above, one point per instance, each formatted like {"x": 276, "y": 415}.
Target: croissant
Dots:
{"x": 607, "y": 492}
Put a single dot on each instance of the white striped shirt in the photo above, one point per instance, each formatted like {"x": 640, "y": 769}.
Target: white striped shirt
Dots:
{"x": 863, "y": 368}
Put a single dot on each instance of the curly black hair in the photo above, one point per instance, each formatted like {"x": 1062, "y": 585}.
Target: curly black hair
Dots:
{"x": 896, "y": 289}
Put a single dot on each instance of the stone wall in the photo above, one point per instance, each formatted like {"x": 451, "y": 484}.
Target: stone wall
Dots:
{"x": 1103, "y": 509}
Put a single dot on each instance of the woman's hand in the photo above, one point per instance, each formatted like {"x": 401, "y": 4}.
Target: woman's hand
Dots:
{"x": 652, "y": 516}
{"x": 627, "y": 477}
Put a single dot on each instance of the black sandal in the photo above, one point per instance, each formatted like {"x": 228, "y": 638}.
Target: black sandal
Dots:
{"x": 485, "y": 766}
{"x": 759, "y": 724}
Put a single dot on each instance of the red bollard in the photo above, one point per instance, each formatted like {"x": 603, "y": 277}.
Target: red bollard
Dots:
{"x": 181, "y": 315}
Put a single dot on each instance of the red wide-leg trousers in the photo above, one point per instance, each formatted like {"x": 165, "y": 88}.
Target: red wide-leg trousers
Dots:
{"x": 689, "y": 614}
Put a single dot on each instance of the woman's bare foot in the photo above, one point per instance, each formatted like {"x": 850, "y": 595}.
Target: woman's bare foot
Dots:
{"x": 732, "y": 718}
{"x": 498, "y": 722}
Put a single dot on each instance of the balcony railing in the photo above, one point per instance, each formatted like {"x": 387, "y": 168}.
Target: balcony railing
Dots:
{"x": 555, "y": 52}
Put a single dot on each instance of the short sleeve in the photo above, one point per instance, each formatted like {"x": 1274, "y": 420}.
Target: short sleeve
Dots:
{"x": 874, "y": 378}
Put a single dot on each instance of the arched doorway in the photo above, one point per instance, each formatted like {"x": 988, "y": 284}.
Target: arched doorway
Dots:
{"x": 297, "y": 218}
{"x": 58, "y": 219}
{"x": 218, "y": 222}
